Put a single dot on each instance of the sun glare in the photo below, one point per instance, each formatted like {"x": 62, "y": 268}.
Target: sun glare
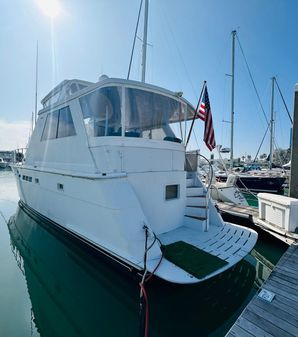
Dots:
{"x": 50, "y": 8}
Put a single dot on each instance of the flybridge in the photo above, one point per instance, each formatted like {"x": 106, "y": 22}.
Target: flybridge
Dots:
{"x": 63, "y": 90}
{"x": 116, "y": 107}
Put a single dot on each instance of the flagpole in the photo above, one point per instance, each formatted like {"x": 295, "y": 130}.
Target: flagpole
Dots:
{"x": 195, "y": 115}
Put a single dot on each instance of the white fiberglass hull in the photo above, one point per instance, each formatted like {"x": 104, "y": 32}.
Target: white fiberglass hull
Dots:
{"x": 230, "y": 194}
{"x": 108, "y": 214}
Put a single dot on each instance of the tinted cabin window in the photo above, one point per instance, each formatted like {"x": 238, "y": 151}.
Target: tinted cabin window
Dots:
{"x": 150, "y": 114}
{"x": 65, "y": 125}
{"x": 58, "y": 124}
{"x": 102, "y": 112}
{"x": 50, "y": 129}
{"x": 172, "y": 192}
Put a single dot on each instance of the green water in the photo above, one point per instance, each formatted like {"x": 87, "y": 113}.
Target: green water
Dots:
{"x": 251, "y": 199}
{"x": 51, "y": 286}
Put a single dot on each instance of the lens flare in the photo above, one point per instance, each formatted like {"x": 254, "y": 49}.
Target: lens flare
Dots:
{"x": 50, "y": 8}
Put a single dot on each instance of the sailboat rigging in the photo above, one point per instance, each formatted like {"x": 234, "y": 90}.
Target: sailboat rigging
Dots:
{"x": 255, "y": 181}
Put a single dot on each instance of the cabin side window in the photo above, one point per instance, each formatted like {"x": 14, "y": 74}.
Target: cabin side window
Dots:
{"x": 102, "y": 112}
{"x": 172, "y": 192}
{"x": 58, "y": 124}
{"x": 65, "y": 125}
{"x": 50, "y": 128}
{"x": 149, "y": 115}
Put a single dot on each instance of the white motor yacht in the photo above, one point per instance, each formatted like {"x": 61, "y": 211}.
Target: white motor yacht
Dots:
{"x": 104, "y": 165}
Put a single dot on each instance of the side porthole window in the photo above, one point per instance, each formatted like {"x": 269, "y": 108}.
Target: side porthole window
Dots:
{"x": 60, "y": 187}
{"x": 172, "y": 192}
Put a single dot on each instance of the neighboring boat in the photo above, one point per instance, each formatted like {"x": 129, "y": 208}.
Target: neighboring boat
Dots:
{"x": 287, "y": 166}
{"x": 261, "y": 182}
{"x": 256, "y": 181}
{"x": 104, "y": 165}
{"x": 231, "y": 194}
{"x": 253, "y": 180}
{"x": 3, "y": 164}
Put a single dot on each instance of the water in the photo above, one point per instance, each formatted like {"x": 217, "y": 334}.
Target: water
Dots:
{"x": 51, "y": 286}
{"x": 253, "y": 200}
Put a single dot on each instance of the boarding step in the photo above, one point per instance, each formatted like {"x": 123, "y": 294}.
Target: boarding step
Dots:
{"x": 194, "y": 191}
{"x": 197, "y": 211}
{"x": 190, "y": 182}
{"x": 196, "y": 201}
{"x": 193, "y": 180}
{"x": 190, "y": 174}
{"x": 194, "y": 221}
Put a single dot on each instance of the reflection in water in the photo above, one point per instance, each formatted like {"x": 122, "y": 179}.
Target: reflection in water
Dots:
{"x": 75, "y": 293}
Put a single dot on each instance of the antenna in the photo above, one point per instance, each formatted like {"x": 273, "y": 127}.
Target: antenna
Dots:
{"x": 36, "y": 83}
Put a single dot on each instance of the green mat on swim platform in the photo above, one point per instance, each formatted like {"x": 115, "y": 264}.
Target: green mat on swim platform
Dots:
{"x": 192, "y": 259}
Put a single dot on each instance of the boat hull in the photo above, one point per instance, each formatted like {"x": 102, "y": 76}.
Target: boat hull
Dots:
{"x": 261, "y": 184}
{"x": 107, "y": 214}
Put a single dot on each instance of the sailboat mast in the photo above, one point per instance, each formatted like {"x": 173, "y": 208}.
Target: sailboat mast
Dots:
{"x": 144, "y": 47}
{"x": 271, "y": 125}
{"x": 232, "y": 98}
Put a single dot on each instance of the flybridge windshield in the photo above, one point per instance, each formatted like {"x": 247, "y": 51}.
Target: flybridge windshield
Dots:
{"x": 147, "y": 114}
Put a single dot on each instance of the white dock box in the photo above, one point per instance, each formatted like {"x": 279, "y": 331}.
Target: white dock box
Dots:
{"x": 279, "y": 211}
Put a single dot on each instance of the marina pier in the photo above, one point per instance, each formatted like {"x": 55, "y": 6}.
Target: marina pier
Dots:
{"x": 273, "y": 310}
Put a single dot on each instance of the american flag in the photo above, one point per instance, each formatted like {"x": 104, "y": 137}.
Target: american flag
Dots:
{"x": 205, "y": 115}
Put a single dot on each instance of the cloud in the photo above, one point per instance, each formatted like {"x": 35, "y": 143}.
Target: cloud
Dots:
{"x": 14, "y": 135}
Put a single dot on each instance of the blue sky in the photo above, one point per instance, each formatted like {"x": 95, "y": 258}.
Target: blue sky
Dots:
{"x": 190, "y": 41}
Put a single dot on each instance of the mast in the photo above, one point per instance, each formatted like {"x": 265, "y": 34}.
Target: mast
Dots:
{"x": 271, "y": 125}
{"x": 234, "y": 32}
{"x": 144, "y": 46}
{"x": 36, "y": 83}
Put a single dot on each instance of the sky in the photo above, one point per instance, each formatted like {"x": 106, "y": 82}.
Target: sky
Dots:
{"x": 189, "y": 42}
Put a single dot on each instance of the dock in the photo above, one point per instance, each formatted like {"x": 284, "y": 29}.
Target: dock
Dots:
{"x": 238, "y": 210}
{"x": 252, "y": 213}
{"x": 273, "y": 311}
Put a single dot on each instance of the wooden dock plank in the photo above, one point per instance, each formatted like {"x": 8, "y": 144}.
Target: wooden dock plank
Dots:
{"x": 279, "y": 317}
{"x": 291, "y": 253}
{"x": 239, "y": 331}
{"x": 270, "y": 310}
{"x": 280, "y": 291}
{"x": 284, "y": 304}
{"x": 289, "y": 263}
{"x": 284, "y": 270}
{"x": 289, "y": 286}
{"x": 293, "y": 278}
{"x": 251, "y": 327}
{"x": 256, "y": 316}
